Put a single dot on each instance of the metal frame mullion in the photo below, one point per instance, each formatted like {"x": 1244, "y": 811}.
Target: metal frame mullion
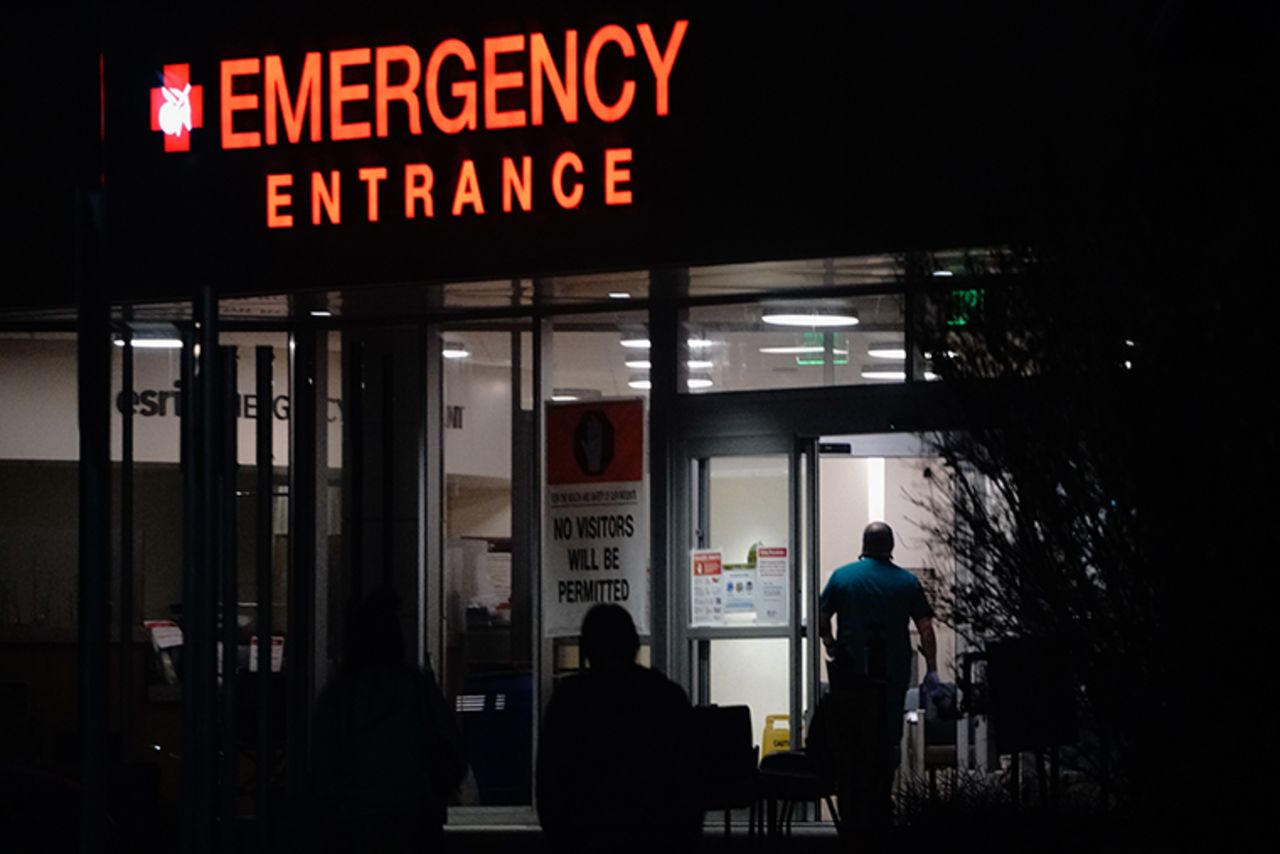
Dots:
{"x": 737, "y": 632}
{"x": 353, "y": 391}
{"x": 126, "y": 544}
{"x": 796, "y": 655}
{"x": 814, "y": 568}
{"x": 433, "y": 500}
{"x": 543, "y": 649}
{"x": 665, "y": 377}
{"x": 93, "y": 366}
{"x": 299, "y": 648}
{"x": 228, "y": 570}
{"x": 264, "y": 366}
{"x": 199, "y": 405}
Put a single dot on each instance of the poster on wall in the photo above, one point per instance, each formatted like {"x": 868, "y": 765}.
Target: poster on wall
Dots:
{"x": 596, "y": 544}
{"x": 707, "y": 578}
{"x": 740, "y": 592}
{"x": 772, "y": 571}
{"x": 751, "y": 593}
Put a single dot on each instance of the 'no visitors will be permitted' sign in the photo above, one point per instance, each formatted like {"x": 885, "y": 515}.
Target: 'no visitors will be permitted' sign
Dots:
{"x": 596, "y": 541}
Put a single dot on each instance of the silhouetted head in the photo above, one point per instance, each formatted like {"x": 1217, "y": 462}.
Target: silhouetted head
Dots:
{"x": 373, "y": 631}
{"x": 609, "y": 637}
{"x": 877, "y": 541}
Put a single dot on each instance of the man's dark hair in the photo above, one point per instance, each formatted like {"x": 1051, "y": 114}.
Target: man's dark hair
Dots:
{"x": 877, "y": 540}
{"x": 373, "y": 632}
{"x": 609, "y": 637}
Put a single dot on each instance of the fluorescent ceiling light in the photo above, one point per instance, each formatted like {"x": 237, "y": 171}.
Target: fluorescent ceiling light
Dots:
{"x": 619, "y": 295}
{"x": 699, "y": 382}
{"x": 699, "y": 343}
{"x": 455, "y": 351}
{"x": 564, "y": 398}
{"x": 638, "y": 364}
{"x": 887, "y": 351}
{"x": 642, "y": 385}
{"x": 792, "y": 351}
{"x": 153, "y": 343}
{"x": 635, "y": 343}
{"x": 883, "y": 374}
{"x": 812, "y": 320}
{"x": 800, "y": 350}
{"x": 698, "y": 364}
{"x": 943, "y": 273}
{"x": 321, "y": 313}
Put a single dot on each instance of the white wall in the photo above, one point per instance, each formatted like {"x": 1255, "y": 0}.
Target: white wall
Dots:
{"x": 477, "y": 507}
{"x": 754, "y": 672}
{"x": 844, "y": 510}
{"x": 482, "y": 446}
{"x": 38, "y": 405}
{"x": 38, "y": 400}
{"x": 750, "y": 504}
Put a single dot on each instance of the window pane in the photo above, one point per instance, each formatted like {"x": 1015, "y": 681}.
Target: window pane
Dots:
{"x": 487, "y": 607}
{"x": 792, "y": 344}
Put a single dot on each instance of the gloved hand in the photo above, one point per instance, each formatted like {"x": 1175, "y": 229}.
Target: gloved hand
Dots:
{"x": 931, "y": 683}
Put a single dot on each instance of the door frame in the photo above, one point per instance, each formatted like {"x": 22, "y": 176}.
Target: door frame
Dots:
{"x": 786, "y": 421}
{"x": 692, "y": 645}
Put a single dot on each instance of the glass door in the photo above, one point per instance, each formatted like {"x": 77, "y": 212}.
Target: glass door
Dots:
{"x": 746, "y": 588}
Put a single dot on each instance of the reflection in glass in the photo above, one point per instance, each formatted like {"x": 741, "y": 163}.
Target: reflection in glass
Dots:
{"x": 791, "y": 344}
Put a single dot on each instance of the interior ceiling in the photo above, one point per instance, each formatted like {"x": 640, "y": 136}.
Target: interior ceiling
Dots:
{"x": 589, "y": 357}
{"x": 753, "y": 279}
{"x": 588, "y": 354}
{"x": 568, "y": 291}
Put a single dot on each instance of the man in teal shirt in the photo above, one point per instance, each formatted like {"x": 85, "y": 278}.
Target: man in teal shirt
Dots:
{"x": 872, "y": 600}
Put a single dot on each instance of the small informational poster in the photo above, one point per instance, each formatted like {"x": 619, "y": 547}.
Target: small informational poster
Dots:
{"x": 277, "y": 653}
{"x": 708, "y": 589}
{"x": 773, "y": 568}
{"x": 596, "y": 545}
{"x": 752, "y": 593}
{"x": 740, "y": 592}
{"x": 164, "y": 633}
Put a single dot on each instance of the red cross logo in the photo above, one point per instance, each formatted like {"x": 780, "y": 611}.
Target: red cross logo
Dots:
{"x": 177, "y": 107}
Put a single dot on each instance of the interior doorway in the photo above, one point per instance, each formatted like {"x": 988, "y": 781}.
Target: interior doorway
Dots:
{"x": 769, "y": 519}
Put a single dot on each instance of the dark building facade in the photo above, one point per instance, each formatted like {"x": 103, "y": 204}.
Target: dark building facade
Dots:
{"x": 333, "y": 295}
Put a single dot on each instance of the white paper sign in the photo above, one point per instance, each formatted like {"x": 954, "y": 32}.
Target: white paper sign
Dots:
{"x": 707, "y": 592}
{"x": 740, "y": 591}
{"x": 277, "y": 653}
{"x": 596, "y": 544}
{"x": 773, "y": 566}
{"x": 164, "y": 633}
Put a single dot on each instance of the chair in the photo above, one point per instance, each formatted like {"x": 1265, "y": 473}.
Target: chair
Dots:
{"x": 788, "y": 777}
{"x": 726, "y": 760}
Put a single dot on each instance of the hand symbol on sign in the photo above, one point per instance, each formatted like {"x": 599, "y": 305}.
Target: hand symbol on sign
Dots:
{"x": 591, "y": 444}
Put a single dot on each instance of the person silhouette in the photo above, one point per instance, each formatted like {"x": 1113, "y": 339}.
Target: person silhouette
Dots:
{"x": 614, "y": 767}
{"x": 873, "y": 599}
{"x": 386, "y": 754}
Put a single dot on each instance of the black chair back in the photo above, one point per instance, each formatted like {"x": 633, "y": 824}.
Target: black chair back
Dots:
{"x": 726, "y": 758}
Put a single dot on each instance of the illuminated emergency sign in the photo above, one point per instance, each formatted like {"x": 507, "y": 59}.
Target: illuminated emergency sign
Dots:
{"x": 454, "y": 89}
